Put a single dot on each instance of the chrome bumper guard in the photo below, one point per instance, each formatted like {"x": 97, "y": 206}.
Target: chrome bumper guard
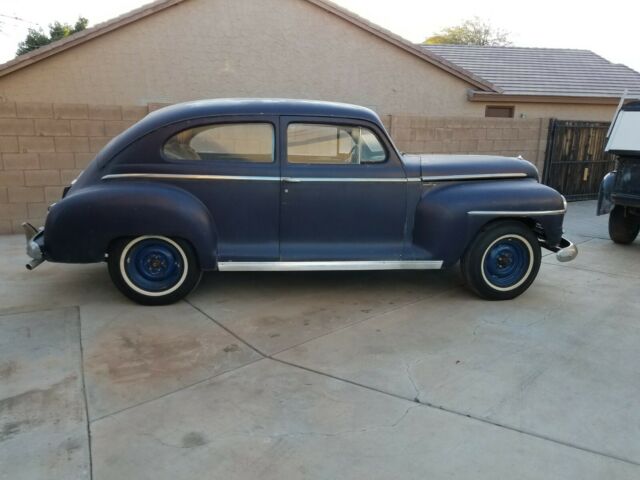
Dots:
{"x": 565, "y": 251}
{"x": 34, "y": 245}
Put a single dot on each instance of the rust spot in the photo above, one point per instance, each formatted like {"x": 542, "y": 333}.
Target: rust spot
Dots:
{"x": 271, "y": 320}
{"x": 231, "y": 348}
{"x": 7, "y": 369}
{"x": 193, "y": 439}
{"x": 127, "y": 357}
{"x": 71, "y": 445}
{"x": 10, "y": 429}
{"x": 29, "y": 409}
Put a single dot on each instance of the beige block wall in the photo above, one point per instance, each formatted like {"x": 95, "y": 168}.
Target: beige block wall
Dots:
{"x": 242, "y": 48}
{"x": 463, "y": 135}
{"x": 44, "y": 146}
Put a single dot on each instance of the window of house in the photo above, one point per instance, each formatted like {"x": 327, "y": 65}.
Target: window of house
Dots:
{"x": 499, "y": 111}
{"x": 333, "y": 144}
{"x": 246, "y": 142}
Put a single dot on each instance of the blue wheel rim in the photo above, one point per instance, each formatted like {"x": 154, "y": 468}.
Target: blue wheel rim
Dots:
{"x": 154, "y": 265}
{"x": 507, "y": 262}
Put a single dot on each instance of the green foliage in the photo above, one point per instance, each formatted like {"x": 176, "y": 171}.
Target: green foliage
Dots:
{"x": 36, "y": 38}
{"x": 470, "y": 32}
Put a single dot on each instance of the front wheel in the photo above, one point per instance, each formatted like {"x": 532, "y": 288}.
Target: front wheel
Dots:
{"x": 502, "y": 261}
{"x": 154, "y": 270}
{"x": 623, "y": 226}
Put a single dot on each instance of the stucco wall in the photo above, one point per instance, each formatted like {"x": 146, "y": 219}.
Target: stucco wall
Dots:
{"x": 242, "y": 48}
{"x": 44, "y": 146}
{"x": 246, "y": 48}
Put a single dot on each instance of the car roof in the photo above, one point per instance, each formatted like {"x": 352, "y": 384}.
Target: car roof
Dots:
{"x": 230, "y": 107}
{"x": 258, "y": 106}
{"x": 631, "y": 106}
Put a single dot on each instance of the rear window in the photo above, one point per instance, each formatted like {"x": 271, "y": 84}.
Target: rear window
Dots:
{"x": 243, "y": 142}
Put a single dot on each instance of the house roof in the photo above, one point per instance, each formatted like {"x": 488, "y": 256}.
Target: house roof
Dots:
{"x": 547, "y": 72}
{"x": 160, "y": 5}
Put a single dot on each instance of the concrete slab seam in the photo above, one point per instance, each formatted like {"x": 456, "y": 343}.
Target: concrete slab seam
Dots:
{"x": 84, "y": 391}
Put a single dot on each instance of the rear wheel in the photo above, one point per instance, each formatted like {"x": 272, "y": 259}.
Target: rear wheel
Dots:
{"x": 154, "y": 270}
{"x": 623, "y": 226}
{"x": 502, "y": 261}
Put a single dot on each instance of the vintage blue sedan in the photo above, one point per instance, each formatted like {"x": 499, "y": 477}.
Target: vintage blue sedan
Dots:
{"x": 256, "y": 185}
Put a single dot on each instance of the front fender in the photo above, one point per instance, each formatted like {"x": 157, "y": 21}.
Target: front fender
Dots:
{"x": 605, "y": 204}
{"x": 450, "y": 215}
{"x": 80, "y": 227}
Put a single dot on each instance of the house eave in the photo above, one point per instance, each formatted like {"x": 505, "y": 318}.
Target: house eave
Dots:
{"x": 96, "y": 31}
{"x": 490, "y": 97}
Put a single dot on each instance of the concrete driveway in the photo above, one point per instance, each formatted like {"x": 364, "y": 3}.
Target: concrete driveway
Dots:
{"x": 325, "y": 375}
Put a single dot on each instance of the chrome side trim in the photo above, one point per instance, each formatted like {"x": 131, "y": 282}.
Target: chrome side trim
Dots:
{"x": 190, "y": 177}
{"x": 517, "y": 213}
{"x": 324, "y": 266}
{"x": 251, "y": 178}
{"x": 338, "y": 179}
{"x": 312, "y": 179}
{"x": 479, "y": 176}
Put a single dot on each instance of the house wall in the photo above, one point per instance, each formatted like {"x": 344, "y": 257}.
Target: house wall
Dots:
{"x": 44, "y": 146}
{"x": 596, "y": 113}
{"x": 242, "y": 48}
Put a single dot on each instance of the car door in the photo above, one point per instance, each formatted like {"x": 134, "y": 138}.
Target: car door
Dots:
{"x": 343, "y": 192}
{"x": 231, "y": 165}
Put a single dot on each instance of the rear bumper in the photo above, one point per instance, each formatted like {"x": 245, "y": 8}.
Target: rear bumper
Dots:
{"x": 565, "y": 251}
{"x": 35, "y": 245}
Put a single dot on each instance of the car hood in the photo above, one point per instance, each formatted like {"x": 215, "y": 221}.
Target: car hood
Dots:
{"x": 440, "y": 167}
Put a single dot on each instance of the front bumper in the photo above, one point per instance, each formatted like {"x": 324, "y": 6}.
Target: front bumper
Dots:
{"x": 35, "y": 245}
{"x": 565, "y": 251}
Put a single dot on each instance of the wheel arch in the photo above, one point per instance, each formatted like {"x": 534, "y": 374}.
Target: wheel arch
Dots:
{"x": 450, "y": 216}
{"x": 82, "y": 227}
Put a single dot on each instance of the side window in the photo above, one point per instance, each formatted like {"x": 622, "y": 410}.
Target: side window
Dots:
{"x": 245, "y": 142}
{"x": 333, "y": 144}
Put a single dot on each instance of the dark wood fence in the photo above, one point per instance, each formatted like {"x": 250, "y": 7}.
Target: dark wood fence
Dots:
{"x": 575, "y": 160}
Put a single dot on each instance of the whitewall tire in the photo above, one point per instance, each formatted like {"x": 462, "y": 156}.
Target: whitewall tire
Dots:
{"x": 502, "y": 261}
{"x": 153, "y": 269}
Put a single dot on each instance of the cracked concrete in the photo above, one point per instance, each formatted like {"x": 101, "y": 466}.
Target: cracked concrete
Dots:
{"x": 324, "y": 375}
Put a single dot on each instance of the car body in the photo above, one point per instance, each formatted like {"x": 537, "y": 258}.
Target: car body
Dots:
{"x": 265, "y": 184}
{"x": 620, "y": 189}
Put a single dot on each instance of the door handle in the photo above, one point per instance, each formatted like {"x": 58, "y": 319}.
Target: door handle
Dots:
{"x": 291, "y": 180}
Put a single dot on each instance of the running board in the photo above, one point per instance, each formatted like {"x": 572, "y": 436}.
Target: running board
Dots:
{"x": 328, "y": 266}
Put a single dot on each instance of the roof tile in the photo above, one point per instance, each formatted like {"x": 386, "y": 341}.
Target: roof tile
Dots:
{"x": 543, "y": 71}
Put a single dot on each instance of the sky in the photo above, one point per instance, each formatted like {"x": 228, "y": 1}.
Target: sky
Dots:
{"x": 608, "y": 28}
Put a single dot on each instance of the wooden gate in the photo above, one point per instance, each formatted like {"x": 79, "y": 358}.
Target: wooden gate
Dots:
{"x": 575, "y": 161}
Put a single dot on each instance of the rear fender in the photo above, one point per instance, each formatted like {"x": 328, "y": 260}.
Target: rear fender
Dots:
{"x": 605, "y": 204}
{"x": 80, "y": 228}
{"x": 449, "y": 216}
